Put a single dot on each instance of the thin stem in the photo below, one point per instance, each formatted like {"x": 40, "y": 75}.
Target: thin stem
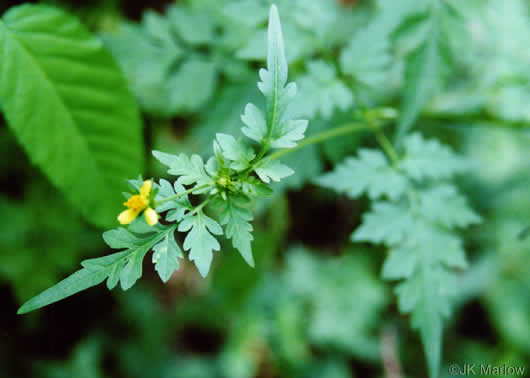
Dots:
{"x": 158, "y": 203}
{"x": 385, "y": 143}
{"x": 200, "y": 207}
{"x": 348, "y": 128}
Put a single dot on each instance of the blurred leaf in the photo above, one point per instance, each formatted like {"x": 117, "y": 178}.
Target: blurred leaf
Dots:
{"x": 425, "y": 66}
{"x": 321, "y": 91}
{"x": 66, "y": 86}
{"x": 378, "y": 177}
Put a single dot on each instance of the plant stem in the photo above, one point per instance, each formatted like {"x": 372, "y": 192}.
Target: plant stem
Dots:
{"x": 204, "y": 203}
{"x": 158, "y": 203}
{"x": 385, "y": 143}
{"x": 348, "y": 128}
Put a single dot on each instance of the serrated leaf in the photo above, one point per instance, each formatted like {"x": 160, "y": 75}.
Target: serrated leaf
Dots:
{"x": 386, "y": 223}
{"x": 190, "y": 170}
{"x": 79, "y": 281}
{"x": 400, "y": 263}
{"x": 425, "y": 68}
{"x": 273, "y": 170}
{"x": 167, "y": 78}
{"x": 235, "y": 151}
{"x": 321, "y": 92}
{"x": 193, "y": 26}
{"x": 370, "y": 173}
{"x": 191, "y": 86}
{"x": 146, "y": 60}
{"x": 429, "y": 159}
{"x": 68, "y": 105}
{"x": 367, "y": 58}
{"x": 281, "y": 131}
{"x": 443, "y": 204}
{"x": 177, "y": 206}
{"x": 199, "y": 241}
{"x": 256, "y": 125}
{"x": 236, "y": 218}
{"x": 120, "y": 238}
{"x": 165, "y": 257}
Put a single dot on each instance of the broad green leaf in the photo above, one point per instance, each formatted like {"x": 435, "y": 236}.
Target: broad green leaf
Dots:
{"x": 191, "y": 170}
{"x": 236, "y": 218}
{"x": 165, "y": 257}
{"x": 430, "y": 159}
{"x": 199, "y": 241}
{"x": 273, "y": 170}
{"x": 371, "y": 173}
{"x": 425, "y": 68}
{"x": 68, "y": 105}
{"x": 235, "y": 151}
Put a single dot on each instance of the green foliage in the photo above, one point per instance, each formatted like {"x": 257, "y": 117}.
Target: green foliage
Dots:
{"x": 225, "y": 178}
{"x": 451, "y": 66}
{"x": 415, "y": 220}
{"x": 426, "y": 64}
{"x": 69, "y": 107}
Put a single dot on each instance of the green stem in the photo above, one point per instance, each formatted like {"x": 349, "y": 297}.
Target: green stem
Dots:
{"x": 200, "y": 207}
{"x": 385, "y": 144}
{"x": 348, "y": 128}
{"x": 158, "y": 203}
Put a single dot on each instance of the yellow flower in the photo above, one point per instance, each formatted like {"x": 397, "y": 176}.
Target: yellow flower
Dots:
{"x": 138, "y": 203}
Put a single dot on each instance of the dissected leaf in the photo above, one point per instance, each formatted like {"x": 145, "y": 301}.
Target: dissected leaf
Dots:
{"x": 321, "y": 91}
{"x": 430, "y": 159}
{"x": 190, "y": 170}
{"x": 165, "y": 257}
{"x": 199, "y": 241}
{"x": 235, "y": 151}
{"x": 281, "y": 131}
{"x": 425, "y": 67}
{"x": 370, "y": 173}
{"x": 236, "y": 218}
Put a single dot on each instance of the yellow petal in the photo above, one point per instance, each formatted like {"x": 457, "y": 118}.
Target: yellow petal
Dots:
{"x": 151, "y": 216}
{"x": 146, "y": 188}
{"x": 127, "y": 216}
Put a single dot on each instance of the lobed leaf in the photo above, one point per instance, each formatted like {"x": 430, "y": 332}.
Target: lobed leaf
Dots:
{"x": 165, "y": 257}
{"x": 370, "y": 173}
{"x": 428, "y": 159}
{"x": 191, "y": 170}
{"x": 273, "y": 170}
{"x": 199, "y": 241}
{"x": 236, "y": 218}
